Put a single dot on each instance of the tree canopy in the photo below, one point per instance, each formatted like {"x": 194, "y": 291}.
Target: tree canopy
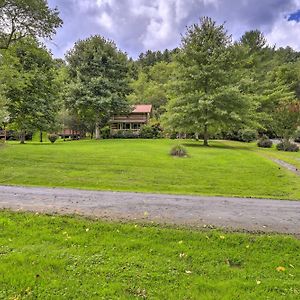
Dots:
{"x": 100, "y": 80}
{"x": 21, "y": 18}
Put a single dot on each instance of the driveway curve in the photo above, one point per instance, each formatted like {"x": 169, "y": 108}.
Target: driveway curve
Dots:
{"x": 248, "y": 214}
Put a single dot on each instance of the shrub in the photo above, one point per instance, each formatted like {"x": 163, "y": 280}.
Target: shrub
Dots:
{"x": 105, "y": 132}
{"x": 179, "y": 151}
{"x": 52, "y": 138}
{"x": 297, "y": 136}
{"x": 287, "y": 146}
{"x": 125, "y": 134}
{"x": 264, "y": 142}
{"x": 247, "y": 135}
{"x": 153, "y": 131}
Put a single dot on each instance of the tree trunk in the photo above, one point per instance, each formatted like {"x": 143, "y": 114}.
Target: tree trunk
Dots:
{"x": 41, "y": 136}
{"x": 197, "y": 136}
{"x": 205, "y": 135}
{"x": 97, "y": 130}
{"x": 22, "y": 137}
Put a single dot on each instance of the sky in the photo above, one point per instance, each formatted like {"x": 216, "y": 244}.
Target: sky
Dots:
{"x": 140, "y": 25}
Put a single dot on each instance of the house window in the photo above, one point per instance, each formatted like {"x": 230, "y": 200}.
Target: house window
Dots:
{"x": 135, "y": 126}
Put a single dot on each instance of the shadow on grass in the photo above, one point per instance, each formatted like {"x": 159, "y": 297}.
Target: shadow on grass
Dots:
{"x": 218, "y": 145}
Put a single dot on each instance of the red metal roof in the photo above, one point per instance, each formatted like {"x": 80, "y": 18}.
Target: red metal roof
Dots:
{"x": 142, "y": 108}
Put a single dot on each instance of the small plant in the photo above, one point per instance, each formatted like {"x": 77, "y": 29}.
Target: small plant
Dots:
{"x": 52, "y": 138}
{"x": 105, "y": 132}
{"x": 287, "y": 146}
{"x": 264, "y": 142}
{"x": 178, "y": 151}
{"x": 247, "y": 135}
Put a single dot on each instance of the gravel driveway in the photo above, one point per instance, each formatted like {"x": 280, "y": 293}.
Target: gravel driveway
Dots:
{"x": 232, "y": 213}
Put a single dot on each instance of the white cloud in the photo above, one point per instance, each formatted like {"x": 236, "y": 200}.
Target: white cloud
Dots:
{"x": 139, "y": 25}
{"x": 285, "y": 33}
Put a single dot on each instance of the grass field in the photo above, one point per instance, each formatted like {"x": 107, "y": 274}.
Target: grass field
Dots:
{"x": 225, "y": 168}
{"x": 54, "y": 257}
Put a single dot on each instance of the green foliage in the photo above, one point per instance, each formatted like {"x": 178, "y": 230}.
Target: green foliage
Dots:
{"x": 264, "y": 142}
{"x": 152, "y": 86}
{"x": 105, "y": 132}
{"x": 99, "y": 80}
{"x": 53, "y": 138}
{"x": 287, "y": 146}
{"x": 125, "y": 134}
{"x": 207, "y": 93}
{"x": 297, "y": 136}
{"x": 179, "y": 151}
{"x": 23, "y": 18}
{"x": 28, "y": 75}
{"x": 151, "y": 131}
{"x": 247, "y": 135}
{"x": 287, "y": 119}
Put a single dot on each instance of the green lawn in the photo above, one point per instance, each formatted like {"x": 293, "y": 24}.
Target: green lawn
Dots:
{"x": 225, "y": 168}
{"x": 54, "y": 257}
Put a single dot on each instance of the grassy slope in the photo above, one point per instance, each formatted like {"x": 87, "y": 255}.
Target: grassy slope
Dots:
{"x": 51, "y": 257}
{"x": 226, "y": 168}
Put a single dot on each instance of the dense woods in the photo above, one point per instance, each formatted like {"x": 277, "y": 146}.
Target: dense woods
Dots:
{"x": 208, "y": 87}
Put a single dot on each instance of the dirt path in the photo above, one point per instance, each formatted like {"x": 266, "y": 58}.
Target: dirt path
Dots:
{"x": 233, "y": 213}
{"x": 286, "y": 165}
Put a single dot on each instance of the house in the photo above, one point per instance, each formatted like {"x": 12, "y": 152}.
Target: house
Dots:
{"x": 139, "y": 116}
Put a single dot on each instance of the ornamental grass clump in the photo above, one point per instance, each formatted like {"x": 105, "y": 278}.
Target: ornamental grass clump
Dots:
{"x": 178, "y": 151}
{"x": 264, "y": 142}
{"x": 287, "y": 146}
{"x": 52, "y": 138}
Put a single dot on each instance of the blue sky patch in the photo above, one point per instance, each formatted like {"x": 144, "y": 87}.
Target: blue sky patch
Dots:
{"x": 295, "y": 16}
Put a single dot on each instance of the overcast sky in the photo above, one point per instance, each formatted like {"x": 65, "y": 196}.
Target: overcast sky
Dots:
{"x": 139, "y": 25}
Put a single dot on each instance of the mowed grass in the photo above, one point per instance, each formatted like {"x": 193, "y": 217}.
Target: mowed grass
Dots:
{"x": 224, "y": 168}
{"x": 55, "y": 257}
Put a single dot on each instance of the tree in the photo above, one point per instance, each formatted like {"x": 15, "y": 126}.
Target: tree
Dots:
{"x": 100, "y": 80}
{"x": 207, "y": 95}
{"x": 153, "y": 86}
{"x": 287, "y": 119}
{"x": 254, "y": 39}
{"x": 30, "y": 87}
{"x": 21, "y": 18}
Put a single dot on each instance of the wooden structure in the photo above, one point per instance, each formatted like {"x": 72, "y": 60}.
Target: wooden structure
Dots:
{"x": 70, "y": 134}
{"x": 139, "y": 116}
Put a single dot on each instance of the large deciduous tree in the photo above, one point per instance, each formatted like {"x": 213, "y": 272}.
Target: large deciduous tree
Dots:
{"x": 21, "y": 18}
{"x": 207, "y": 95}
{"x": 30, "y": 86}
{"x": 100, "y": 80}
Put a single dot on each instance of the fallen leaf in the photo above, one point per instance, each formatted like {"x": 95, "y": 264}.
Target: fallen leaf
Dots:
{"x": 258, "y": 282}
{"x": 280, "y": 269}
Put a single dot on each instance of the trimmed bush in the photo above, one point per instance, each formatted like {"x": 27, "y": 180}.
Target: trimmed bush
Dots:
{"x": 125, "y": 134}
{"x": 247, "y": 135}
{"x": 52, "y": 138}
{"x": 178, "y": 151}
{"x": 264, "y": 142}
{"x": 287, "y": 146}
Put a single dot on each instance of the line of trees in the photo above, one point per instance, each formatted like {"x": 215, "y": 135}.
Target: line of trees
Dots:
{"x": 208, "y": 86}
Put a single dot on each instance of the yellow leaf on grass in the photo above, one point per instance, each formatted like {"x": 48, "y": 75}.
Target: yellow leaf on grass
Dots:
{"x": 280, "y": 269}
